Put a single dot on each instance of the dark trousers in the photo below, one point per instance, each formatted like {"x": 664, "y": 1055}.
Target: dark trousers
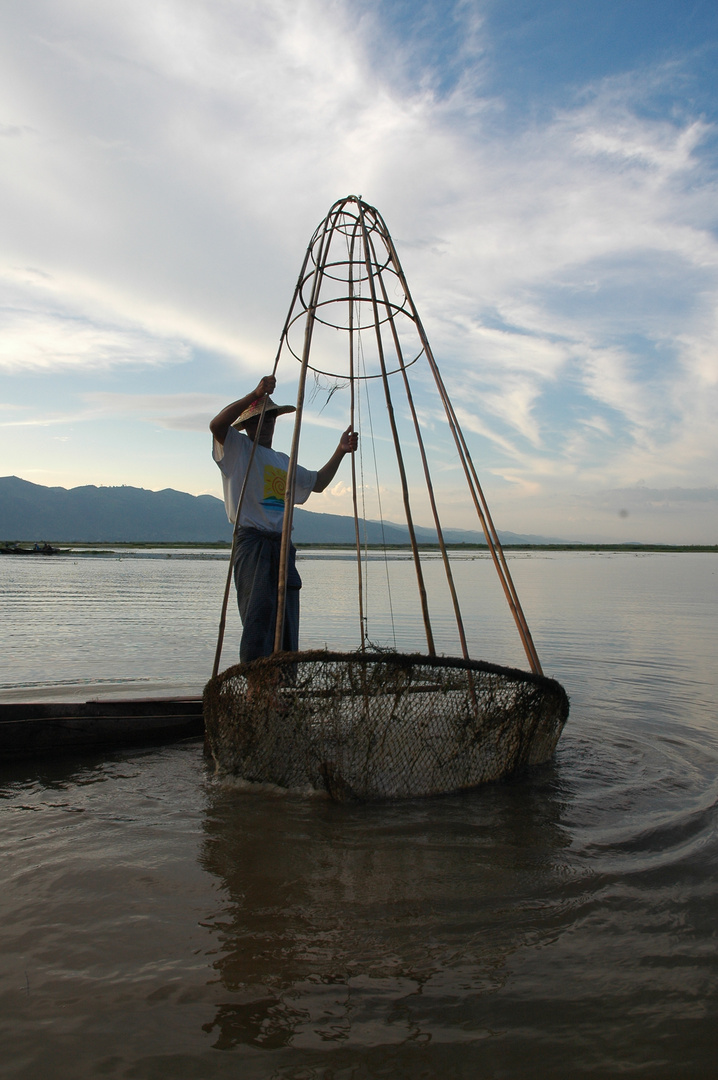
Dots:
{"x": 256, "y": 576}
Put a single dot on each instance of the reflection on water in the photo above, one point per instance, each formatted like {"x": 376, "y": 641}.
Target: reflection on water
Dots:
{"x": 374, "y": 925}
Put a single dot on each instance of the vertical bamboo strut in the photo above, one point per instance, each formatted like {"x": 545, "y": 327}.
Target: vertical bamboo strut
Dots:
{"x": 395, "y": 436}
{"x": 492, "y": 537}
{"x": 427, "y": 476}
{"x": 352, "y": 381}
{"x": 497, "y": 548}
{"x": 482, "y": 508}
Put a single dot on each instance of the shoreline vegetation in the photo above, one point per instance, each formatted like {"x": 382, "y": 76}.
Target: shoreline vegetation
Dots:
{"x": 97, "y": 548}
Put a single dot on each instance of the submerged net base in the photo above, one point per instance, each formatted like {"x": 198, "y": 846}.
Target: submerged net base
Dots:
{"x": 380, "y": 725}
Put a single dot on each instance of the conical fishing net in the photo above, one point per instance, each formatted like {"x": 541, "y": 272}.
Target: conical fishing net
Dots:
{"x": 379, "y": 725}
{"x": 376, "y": 725}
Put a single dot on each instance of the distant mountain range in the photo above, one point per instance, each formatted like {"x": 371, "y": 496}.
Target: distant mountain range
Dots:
{"x": 102, "y": 515}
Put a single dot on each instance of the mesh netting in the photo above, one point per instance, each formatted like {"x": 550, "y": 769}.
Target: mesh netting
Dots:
{"x": 374, "y": 726}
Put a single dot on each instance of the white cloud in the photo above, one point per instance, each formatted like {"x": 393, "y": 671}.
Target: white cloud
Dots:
{"x": 46, "y": 341}
{"x": 162, "y": 167}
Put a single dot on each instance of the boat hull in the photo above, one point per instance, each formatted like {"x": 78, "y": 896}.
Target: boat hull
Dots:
{"x": 46, "y": 729}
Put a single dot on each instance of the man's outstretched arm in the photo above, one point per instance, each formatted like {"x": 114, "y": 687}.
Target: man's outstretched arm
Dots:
{"x": 347, "y": 445}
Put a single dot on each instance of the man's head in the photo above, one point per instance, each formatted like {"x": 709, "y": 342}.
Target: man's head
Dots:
{"x": 267, "y": 431}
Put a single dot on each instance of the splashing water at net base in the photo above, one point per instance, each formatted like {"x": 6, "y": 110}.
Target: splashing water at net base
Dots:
{"x": 377, "y": 726}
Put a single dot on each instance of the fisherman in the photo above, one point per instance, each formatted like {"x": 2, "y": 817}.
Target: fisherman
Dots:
{"x": 259, "y": 532}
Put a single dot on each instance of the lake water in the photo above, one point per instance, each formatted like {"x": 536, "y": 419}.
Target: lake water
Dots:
{"x": 158, "y": 923}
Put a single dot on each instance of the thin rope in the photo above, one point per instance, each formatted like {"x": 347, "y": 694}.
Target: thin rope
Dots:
{"x": 353, "y": 427}
{"x": 360, "y": 350}
{"x": 365, "y": 533}
{"x": 427, "y": 478}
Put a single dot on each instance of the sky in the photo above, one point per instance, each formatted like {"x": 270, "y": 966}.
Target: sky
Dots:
{"x": 547, "y": 169}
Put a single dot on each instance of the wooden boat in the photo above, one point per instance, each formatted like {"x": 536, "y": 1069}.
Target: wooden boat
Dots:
{"x": 36, "y": 549}
{"x": 46, "y": 729}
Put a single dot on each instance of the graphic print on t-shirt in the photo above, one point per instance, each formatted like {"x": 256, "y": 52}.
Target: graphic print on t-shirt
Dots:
{"x": 275, "y": 483}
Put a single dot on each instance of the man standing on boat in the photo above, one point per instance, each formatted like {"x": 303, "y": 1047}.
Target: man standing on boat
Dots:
{"x": 259, "y": 532}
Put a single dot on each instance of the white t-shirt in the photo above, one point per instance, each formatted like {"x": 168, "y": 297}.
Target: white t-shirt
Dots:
{"x": 263, "y": 504}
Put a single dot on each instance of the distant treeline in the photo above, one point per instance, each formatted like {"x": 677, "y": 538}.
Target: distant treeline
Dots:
{"x": 631, "y": 549}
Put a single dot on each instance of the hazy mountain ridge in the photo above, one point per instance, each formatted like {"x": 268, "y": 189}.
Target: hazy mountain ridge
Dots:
{"x": 90, "y": 514}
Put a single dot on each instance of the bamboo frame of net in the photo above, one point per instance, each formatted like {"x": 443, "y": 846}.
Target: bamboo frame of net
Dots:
{"x": 371, "y": 261}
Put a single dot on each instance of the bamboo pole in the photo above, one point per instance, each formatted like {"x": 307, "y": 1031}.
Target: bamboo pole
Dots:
{"x": 428, "y": 481}
{"x": 228, "y": 582}
{"x": 492, "y": 537}
{"x": 352, "y": 403}
{"x": 397, "y": 444}
{"x": 294, "y": 453}
{"x": 225, "y": 600}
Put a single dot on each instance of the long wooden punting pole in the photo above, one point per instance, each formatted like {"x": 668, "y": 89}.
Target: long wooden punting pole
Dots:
{"x": 228, "y": 583}
{"x": 326, "y": 235}
{"x": 230, "y": 568}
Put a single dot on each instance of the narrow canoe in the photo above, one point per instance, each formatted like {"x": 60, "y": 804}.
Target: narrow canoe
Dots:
{"x": 45, "y": 729}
